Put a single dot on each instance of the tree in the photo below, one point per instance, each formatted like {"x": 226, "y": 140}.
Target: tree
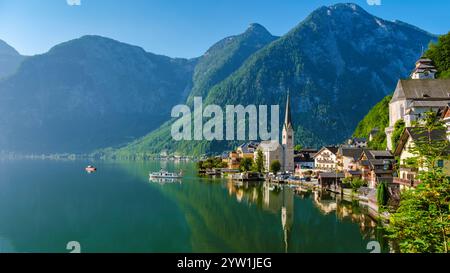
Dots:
{"x": 298, "y": 148}
{"x": 421, "y": 224}
{"x": 440, "y": 54}
{"x": 399, "y": 127}
{"x": 382, "y": 194}
{"x": 259, "y": 162}
{"x": 275, "y": 166}
{"x": 246, "y": 164}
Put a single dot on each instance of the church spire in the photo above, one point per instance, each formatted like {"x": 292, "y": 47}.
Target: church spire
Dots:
{"x": 287, "y": 117}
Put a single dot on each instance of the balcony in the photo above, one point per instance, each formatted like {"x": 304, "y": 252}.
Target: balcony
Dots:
{"x": 406, "y": 182}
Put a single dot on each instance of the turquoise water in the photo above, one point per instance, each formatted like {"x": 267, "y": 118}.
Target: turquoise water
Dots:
{"x": 46, "y": 204}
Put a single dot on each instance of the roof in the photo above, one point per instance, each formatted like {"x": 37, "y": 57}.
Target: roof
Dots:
{"x": 428, "y": 103}
{"x": 332, "y": 149}
{"x": 359, "y": 139}
{"x": 331, "y": 175}
{"x": 381, "y": 154}
{"x": 354, "y": 153}
{"x": 427, "y": 89}
{"x": 424, "y": 60}
{"x": 287, "y": 117}
{"x": 415, "y": 135}
{"x": 246, "y": 147}
{"x": 376, "y": 154}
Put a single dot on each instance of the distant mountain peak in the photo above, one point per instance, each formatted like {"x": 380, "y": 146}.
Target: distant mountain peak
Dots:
{"x": 6, "y": 49}
{"x": 257, "y": 29}
{"x": 347, "y": 6}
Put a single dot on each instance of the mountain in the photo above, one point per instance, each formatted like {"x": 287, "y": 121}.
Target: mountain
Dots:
{"x": 89, "y": 93}
{"x": 10, "y": 60}
{"x": 225, "y": 57}
{"x": 217, "y": 64}
{"x": 337, "y": 64}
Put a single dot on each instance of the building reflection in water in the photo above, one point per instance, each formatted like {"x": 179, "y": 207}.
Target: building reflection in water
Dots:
{"x": 347, "y": 209}
{"x": 280, "y": 200}
{"x": 273, "y": 198}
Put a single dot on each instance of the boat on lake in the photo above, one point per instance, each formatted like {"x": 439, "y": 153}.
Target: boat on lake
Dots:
{"x": 162, "y": 174}
{"x": 90, "y": 169}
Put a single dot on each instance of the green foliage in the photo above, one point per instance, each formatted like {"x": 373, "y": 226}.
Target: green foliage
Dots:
{"x": 399, "y": 127}
{"x": 211, "y": 163}
{"x": 382, "y": 194}
{"x": 353, "y": 183}
{"x": 378, "y": 117}
{"x": 298, "y": 147}
{"x": 275, "y": 166}
{"x": 440, "y": 54}
{"x": 259, "y": 162}
{"x": 422, "y": 222}
{"x": 246, "y": 164}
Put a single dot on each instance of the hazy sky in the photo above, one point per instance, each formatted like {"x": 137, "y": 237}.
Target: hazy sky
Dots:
{"x": 181, "y": 28}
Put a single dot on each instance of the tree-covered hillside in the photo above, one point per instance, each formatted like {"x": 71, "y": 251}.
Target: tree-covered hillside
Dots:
{"x": 377, "y": 118}
{"x": 440, "y": 54}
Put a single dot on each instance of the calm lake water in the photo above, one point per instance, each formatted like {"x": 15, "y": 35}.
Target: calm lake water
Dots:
{"x": 46, "y": 204}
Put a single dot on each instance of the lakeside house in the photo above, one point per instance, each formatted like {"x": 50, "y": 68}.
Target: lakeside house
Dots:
{"x": 417, "y": 95}
{"x": 445, "y": 116}
{"x": 304, "y": 159}
{"x": 347, "y": 158}
{"x": 326, "y": 158}
{"x": 247, "y": 150}
{"x": 376, "y": 167}
{"x": 407, "y": 175}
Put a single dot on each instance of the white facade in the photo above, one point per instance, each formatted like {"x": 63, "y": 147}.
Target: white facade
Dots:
{"x": 272, "y": 151}
{"x": 325, "y": 160}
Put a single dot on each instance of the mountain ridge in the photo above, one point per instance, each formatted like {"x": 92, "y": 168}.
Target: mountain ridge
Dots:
{"x": 337, "y": 52}
{"x": 10, "y": 59}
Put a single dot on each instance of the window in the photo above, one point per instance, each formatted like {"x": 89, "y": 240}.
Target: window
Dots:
{"x": 440, "y": 163}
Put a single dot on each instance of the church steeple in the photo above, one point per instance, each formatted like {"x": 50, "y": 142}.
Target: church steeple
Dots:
{"x": 287, "y": 117}
{"x": 288, "y": 139}
{"x": 425, "y": 69}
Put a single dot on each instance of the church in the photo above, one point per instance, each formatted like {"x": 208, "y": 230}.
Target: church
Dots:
{"x": 417, "y": 95}
{"x": 284, "y": 152}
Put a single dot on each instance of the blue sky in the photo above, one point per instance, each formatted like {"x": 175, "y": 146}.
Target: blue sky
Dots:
{"x": 181, "y": 28}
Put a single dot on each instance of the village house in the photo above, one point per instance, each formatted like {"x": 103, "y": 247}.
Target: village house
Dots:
{"x": 376, "y": 167}
{"x": 357, "y": 142}
{"x": 326, "y": 159}
{"x": 233, "y": 160}
{"x": 247, "y": 150}
{"x": 417, "y": 95}
{"x": 445, "y": 115}
{"x": 407, "y": 174}
{"x": 347, "y": 158}
{"x": 331, "y": 180}
{"x": 304, "y": 159}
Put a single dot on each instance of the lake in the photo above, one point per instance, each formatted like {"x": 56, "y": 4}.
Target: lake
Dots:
{"x": 46, "y": 204}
